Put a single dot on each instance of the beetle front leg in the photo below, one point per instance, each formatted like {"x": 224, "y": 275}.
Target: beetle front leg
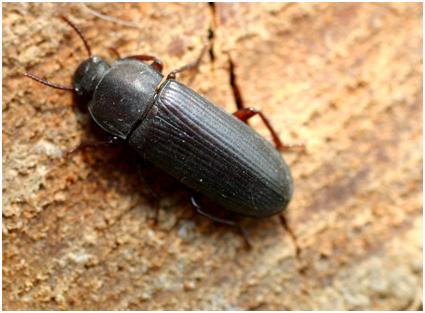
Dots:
{"x": 92, "y": 144}
{"x": 156, "y": 63}
{"x": 244, "y": 114}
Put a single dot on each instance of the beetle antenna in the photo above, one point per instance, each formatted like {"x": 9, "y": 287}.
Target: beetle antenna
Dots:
{"x": 80, "y": 34}
{"x": 54, "y": 85}
{"x": 47, "y": 83}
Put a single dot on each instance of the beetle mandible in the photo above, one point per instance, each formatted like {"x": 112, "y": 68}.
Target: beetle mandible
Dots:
{"x": 214, "y": 153}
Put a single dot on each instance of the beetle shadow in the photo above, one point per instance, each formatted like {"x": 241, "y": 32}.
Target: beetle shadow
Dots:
{"x": 118, "y": 162}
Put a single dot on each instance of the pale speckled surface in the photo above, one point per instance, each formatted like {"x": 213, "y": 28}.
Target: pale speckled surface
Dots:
{"x": 345, "y": 79}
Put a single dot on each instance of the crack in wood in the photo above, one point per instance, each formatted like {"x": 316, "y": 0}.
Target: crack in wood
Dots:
{"x": 211, "y": 31}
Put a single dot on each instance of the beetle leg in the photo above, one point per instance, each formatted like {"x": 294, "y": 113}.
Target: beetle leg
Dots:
{"x": 156, "y": 64}
{"x": 199, "y": 210}
{"x": 115, "y": 51}
{"x": 190, "y": 66}
{"x": 92, "y": 144}
{"x": 216, "y": 219}
{"x": 245, "y": 114}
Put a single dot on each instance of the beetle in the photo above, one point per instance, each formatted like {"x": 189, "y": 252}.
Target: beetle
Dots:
{"x": 216, "y": 154}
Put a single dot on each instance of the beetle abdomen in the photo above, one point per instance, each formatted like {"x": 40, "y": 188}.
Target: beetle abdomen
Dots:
{"x": 213, "y": 153}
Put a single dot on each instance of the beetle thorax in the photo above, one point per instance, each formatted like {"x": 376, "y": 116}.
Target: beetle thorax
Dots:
{"x": 123, "y": 96}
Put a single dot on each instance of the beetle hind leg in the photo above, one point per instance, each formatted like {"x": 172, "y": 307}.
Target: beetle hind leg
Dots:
{"x": 244, "y": 114}
{"x": 195, "y": 203}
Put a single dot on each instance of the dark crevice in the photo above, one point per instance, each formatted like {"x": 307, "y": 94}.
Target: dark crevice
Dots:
{"x": 211, "y": 41}
{"x": 232, "y": 75}
{"x": 291, "y": 235}
{"x": 211, "y": 31}
{"x": 234, "y": 85}
{"x": 240, "y": 105}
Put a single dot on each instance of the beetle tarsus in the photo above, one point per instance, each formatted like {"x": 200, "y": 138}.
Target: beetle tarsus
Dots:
{"x": 294, "y": 147}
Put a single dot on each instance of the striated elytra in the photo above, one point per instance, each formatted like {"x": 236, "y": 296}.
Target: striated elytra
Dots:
{"x": 214, "y": 153}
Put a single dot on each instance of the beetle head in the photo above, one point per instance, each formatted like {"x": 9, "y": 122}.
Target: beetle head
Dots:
{"x": 87, "y": 76}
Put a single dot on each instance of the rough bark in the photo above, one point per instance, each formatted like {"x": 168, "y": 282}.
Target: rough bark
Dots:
{"x": 345, "y": 79}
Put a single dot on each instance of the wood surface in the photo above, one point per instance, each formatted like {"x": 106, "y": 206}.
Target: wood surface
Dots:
{"x": 344, "y": 79}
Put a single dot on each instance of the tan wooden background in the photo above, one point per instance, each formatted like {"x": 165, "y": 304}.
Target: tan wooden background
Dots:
{"x": 345, "y": 79}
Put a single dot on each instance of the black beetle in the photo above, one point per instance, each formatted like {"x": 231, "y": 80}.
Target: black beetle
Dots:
{"x": 216, "y": 154}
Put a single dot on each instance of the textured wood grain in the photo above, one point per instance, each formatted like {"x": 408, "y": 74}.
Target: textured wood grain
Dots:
{"x": 345, "y": 79}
